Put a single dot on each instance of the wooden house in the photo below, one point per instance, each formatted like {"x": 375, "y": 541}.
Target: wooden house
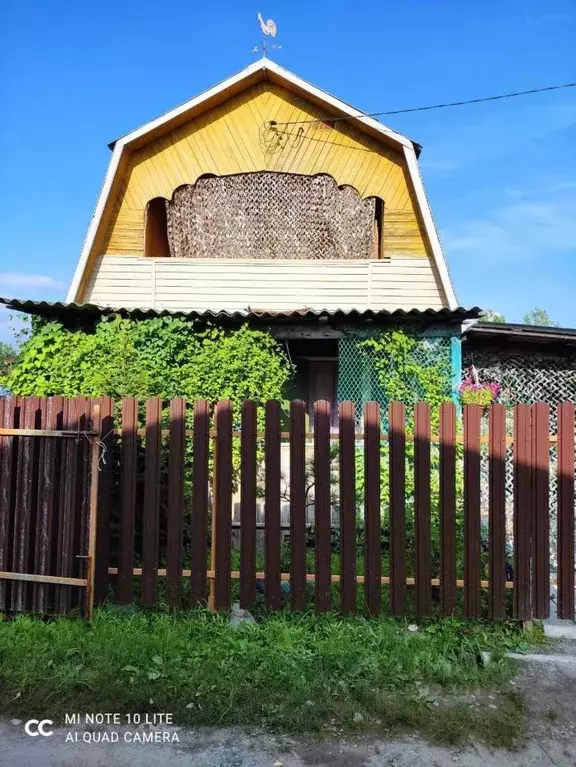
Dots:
{"x": 258, "y": 194}
{"x": 267, "y": 200}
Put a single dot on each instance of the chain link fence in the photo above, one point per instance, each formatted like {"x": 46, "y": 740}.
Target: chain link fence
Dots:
{"x": 360, "y": 369}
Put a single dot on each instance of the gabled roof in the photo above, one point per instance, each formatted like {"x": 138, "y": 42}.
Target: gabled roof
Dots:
{"x": 264, "y": 69}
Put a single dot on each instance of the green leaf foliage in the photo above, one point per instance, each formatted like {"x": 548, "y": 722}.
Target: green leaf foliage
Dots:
{"x": 163, "y": 357}
{"x": 539, "y": 317}
{"x": 396, "y": 356}
{"x": 403, "y": 376}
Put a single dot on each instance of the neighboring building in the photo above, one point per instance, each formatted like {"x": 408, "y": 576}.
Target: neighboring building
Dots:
{"x": 267, "y": 200}
{"x": 530, "y": 363}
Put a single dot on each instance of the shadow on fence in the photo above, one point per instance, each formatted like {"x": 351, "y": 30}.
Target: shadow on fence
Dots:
{"x": 392, "y": 522}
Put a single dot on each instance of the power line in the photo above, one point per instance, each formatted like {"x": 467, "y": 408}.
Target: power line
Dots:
{"x": 433, "y": 106}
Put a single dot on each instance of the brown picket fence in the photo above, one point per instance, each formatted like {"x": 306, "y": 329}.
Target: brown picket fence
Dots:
{"x": 49, "y": 450}
{"x": 406, "y": 512}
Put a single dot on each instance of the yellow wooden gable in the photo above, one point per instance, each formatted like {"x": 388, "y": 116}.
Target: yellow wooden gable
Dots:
{"x": 236, "y": 137}
{"x": 263, "y": 119}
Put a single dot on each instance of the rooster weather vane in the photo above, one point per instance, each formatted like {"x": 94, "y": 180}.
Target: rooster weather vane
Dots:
{"x": 268, "y": 29}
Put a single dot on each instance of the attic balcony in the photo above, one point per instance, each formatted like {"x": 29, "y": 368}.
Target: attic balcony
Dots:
{"x": 184, "y": 284}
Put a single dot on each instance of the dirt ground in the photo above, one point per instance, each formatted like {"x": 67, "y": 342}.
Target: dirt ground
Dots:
{"x": 548, "y": 680}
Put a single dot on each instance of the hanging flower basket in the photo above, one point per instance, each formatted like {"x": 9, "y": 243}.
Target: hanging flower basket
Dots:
{"x": 472, "y": 392}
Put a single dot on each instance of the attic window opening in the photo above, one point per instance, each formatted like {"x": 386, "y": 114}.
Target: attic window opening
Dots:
{"x": 156, "y": 237}
{"x": 378, "y": 237}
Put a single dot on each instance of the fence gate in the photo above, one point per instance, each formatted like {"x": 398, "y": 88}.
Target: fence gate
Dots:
{"x": 49, "y": 453}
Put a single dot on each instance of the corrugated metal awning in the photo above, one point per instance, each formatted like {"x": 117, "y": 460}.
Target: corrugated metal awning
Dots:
{"x": 517, "y": 333}
{"x": 59, "y": 309}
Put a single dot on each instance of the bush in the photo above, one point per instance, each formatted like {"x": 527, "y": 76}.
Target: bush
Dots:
{"x": 162, "y": 357}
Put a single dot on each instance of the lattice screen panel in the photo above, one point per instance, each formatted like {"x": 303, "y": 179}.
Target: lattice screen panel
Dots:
{"x": 270, "y": 215}
{"x": 527, "y": 378}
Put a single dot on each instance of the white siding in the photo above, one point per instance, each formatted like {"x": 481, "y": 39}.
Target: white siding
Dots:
{"x": 234, "y": 285}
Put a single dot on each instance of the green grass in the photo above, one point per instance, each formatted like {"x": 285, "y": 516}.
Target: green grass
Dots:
{"x": 321, "y": 674}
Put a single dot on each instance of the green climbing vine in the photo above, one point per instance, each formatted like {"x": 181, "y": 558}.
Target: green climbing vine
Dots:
{"x": 397, "y": 357}
{"x": 403, "y": 376}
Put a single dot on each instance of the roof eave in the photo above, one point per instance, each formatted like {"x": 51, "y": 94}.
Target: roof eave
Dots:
{"x": 520, "y": 332}
{"x": 59, "y": 308}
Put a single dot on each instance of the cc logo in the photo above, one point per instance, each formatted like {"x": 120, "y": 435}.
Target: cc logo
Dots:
{"x": 34, "y": 727}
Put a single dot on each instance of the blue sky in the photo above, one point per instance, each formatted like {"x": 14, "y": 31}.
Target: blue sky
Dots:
{"x": 501, "y": 177}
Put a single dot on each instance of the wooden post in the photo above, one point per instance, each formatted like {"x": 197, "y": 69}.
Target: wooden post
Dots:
{"x": 93, "y": 514}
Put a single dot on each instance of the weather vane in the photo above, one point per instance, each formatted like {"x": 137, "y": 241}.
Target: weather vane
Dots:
{"x": 268, "y": 28}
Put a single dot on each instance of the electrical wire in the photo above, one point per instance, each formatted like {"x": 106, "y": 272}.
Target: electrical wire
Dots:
{"x": 433, "y": 106}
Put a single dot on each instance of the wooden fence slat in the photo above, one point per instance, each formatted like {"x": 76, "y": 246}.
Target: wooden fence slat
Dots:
{"x": 497, "y": 510}
{"x": 62, "y": 418}
{"x": 128, "y": 499}
{"x": 151, "y": 521}
{"x": 8, "y": 445}
{"x": 24, "y": 503}
{"x": 38, "y": 542}
{"x": 221, "y": 530}
{"x": 522, "y": 508}
{"x": 69, "y": 500}
{"x": 81, "y": 521}
{"x": 322, "y": 522}
{"x": 51, "y": 408}
{"x": 65, "y": 419}
{"x": 472, "y": 422}
{"x": 347, "y": 468}
{"x": 248, "y": 505}
{"x": 397, "y": 491}
{"x": 298, "y": 505}
{"x": 199, "y": 501}
{"x": 372, "y": 524}
{"x": 272, "y": 506}
{"x": 541, "y": 516}
{"x": 105, "y": 477}
{"x": 175, "y": 521}
{"x": 423, "y": 569}
{"x": 448, "y": 507}
{"x": 565, "y": 529}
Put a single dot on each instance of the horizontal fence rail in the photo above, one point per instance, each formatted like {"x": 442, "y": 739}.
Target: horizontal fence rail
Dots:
{"x": 446, "y": 511}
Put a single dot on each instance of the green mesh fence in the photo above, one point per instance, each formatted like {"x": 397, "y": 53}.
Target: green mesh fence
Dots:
{"x": 358, "y": 378}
